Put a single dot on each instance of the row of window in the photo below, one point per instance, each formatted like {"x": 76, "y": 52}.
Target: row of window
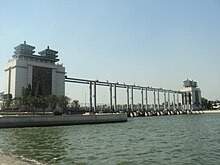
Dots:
{"x": 35, "y": 59}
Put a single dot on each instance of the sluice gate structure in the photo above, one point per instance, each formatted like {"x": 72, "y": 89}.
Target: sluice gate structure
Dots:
{"x": 159, "y": 107}
{"x": 26, "y": 68}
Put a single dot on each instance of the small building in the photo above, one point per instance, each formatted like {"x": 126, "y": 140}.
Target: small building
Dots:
{"x": 191, "y": 95}
{"x": 27, "y": 68}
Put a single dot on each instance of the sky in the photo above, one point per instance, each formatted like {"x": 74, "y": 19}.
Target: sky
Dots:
{"x": 158, "y": 43}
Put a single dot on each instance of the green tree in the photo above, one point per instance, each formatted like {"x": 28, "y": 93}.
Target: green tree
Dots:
{"x": 75, "y": 104}
{"x": 38, "y": 91}
{"x": 44, "y": 104}
{"x": 206, "y": 104}
{"x": 29, "y": 90}
{"x": 63, "y": 101}
{"x": 7, "y": 103}
{"x": 26, "y": 97}
{"x": 51, "y": 101}
{"x": 17, "y": 103}
{"x": 37, "y": 99}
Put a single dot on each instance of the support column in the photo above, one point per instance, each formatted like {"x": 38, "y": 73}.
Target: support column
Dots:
{"x": 9, "y": 82}
{"x": 158, "y": 100}
{"x": 142, "y": 100}
{"x": 154, "y": 101}
{"x": 174, "y": 101}
{"x": 186, "y": 101}
{"x": 132, "y": 99}
{"x": 146, "y": 100}
{"x": 190, "y": 101}
{"x": 168, "y": 100}
{"x": 90, "y": 96}
{"x": 177, "y": 101}
{"x": 128, "y": 109}
{"x": 110, "y": 89}
{"x": 94, "y": 96}
{"x": 165, "y": 100}
{"x": 182, "y": 105}
{"x": 115, "y": 98}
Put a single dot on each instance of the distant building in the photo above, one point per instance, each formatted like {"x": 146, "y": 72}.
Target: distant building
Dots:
{"x": 191, "y": 96}
{"x": 27, "y": 68}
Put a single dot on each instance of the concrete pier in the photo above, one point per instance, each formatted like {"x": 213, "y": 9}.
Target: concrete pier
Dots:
{"x": 110, "y": 96}
{"x": 42, "y": 121}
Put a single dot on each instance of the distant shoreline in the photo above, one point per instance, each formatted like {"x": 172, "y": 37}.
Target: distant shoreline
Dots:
{"x": 211, "y": 111}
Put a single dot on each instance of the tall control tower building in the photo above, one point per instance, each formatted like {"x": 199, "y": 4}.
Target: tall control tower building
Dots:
{"x": 27, "y": 68}
{"x": 191, "y": 95}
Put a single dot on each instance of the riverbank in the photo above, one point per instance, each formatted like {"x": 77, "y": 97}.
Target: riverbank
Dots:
{"x": 9, "y": 160}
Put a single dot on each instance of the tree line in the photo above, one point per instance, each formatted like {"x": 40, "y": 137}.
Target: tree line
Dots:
{"x": 33, "y": 100}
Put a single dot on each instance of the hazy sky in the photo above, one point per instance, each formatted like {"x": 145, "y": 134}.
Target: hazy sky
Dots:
{"x": 155, "y": 43}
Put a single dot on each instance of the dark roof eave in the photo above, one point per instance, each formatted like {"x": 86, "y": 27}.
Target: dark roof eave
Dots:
{"x": 23, "y": 45}
{"x": 36, "y": 56}
{"x": 47, "y": 50}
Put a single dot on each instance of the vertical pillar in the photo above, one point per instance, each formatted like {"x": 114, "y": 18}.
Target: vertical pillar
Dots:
{"x": 128, "y": 99}
{"x": 9, "y": 81}
{"x": 182, "y": 105}
{"x": 54, "y": 79}
{"x": 177, "y": 100}
{"x": 94, "y": 96}
{"x": 110, "y": 89}
{"x": 90, "y": 96}
{"x": 115, "y": 98}
{"x": 142, "y": 100}
{"x": 168, "y": 100}
{"x": 174, "y": 101}
{"x": 186, "y": 101}
{"x": 165, "y": 100}
{"x": 190, "y": 101}
{"x": 158, "y": 99}
{"x": 30, "y": 74}
{"x": 146, "y": 100}
{"x": 154, "y": 100}
{"x": 132, "y": 99}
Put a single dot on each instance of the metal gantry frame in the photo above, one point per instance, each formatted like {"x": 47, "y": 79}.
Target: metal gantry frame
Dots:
{"x": 130, "y": 95}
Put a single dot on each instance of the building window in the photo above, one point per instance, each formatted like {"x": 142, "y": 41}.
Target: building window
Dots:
{"x": 44, "y": 77}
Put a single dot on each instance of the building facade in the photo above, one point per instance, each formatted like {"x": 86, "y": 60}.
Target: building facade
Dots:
{"x": 27, "y": 68}
{"x": 191, "y": 95}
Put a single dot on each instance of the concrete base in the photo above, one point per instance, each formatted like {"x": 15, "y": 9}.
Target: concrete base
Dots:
{"x": 211, "y": 111}
{"x": 40, "y": 121}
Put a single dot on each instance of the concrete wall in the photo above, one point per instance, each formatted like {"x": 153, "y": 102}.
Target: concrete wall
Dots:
{"x": 21, "y": 80}
{"x": 33, "y": 121}
{"x": 192, "y": 90}
{"x": 60, "y": 81}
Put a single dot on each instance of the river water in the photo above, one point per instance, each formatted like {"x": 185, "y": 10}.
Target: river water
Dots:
{"x": 183, "y": 139}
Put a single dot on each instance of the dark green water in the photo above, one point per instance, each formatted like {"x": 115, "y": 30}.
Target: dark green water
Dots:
{"x": 183, "y": 139}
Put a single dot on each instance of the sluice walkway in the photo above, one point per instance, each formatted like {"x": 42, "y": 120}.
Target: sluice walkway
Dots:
{"x": 171, "y": 104}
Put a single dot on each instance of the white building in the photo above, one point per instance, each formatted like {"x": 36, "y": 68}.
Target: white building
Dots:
{"x": 191, "y": 96}
{"x": 26, "y": 68}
